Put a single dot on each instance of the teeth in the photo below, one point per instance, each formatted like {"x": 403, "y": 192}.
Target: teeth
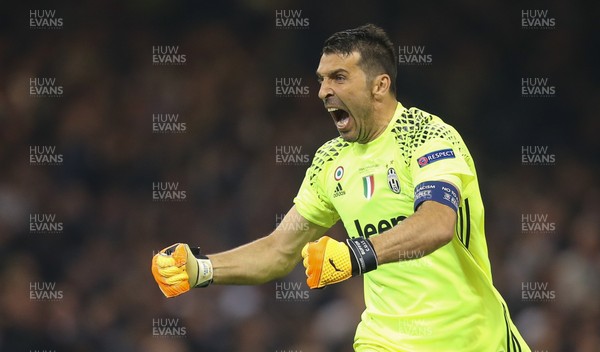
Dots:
{"x": 332, "y": 109}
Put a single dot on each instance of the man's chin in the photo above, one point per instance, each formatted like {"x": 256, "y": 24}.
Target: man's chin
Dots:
{"x": 347, "y": 136}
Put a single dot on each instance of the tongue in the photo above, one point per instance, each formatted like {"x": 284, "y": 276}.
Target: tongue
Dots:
{"x": 343, "y": 122}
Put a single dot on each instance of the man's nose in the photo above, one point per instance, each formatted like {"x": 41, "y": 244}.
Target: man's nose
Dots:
{"x": 325, "y": 90}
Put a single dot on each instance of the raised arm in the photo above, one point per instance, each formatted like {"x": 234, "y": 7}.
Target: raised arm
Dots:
{"x": 428, "y": 229}
{"x": 269, "y": 257}
{"x": 178, "y": 268}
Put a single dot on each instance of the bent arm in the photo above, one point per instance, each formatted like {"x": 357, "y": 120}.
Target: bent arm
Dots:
{"x": 429, "y": 228}
{"x": 269, "y": 257}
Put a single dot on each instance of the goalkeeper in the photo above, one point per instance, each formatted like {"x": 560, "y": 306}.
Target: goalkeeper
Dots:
{"x": 404, "y": 185}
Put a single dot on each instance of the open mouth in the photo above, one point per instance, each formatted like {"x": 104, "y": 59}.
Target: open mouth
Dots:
{"x": 340, "y": 117}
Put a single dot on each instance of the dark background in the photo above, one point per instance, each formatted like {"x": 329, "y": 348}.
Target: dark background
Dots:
{"x": 226, "y": 162}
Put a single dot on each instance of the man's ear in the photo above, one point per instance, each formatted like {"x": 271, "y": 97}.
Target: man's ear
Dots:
{"x": 381, "y": 85}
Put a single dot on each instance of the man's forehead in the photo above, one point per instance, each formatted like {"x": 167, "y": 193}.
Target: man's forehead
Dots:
{"x": 336, "y": 61}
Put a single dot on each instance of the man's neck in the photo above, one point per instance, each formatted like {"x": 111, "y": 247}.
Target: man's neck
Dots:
{"x": 383, "y": 114}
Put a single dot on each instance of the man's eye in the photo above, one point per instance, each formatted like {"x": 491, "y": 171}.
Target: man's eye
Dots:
{"x": 340, "y": 78}
{"x": 320, "y": 80}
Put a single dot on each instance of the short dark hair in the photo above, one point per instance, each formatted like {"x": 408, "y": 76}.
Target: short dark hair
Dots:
{"x": 375, "y": 48}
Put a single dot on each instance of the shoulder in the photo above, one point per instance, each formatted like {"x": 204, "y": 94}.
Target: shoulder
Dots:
{"x": 414, "y": 127}
{"x": 330, "y": 150}
{"x": 325, "y": 155}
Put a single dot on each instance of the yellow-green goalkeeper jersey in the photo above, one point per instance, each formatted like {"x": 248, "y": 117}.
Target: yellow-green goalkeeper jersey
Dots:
{"x": 444, "y": 301}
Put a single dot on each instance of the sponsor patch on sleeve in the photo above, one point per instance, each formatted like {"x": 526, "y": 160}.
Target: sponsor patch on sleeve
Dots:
{"x": 435, "y": 156}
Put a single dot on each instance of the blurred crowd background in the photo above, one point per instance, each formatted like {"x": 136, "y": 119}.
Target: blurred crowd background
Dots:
{"x": 236, "y": 189}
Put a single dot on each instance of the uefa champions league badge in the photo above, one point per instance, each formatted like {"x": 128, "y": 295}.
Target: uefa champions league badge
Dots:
{"x": 422, "y": 161}
{"x": 393, "y": 181}
{"x": 339, "y": 173}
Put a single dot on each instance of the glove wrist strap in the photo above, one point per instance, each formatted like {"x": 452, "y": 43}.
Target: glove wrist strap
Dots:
{"x": 205, "y": 268}
{"x": 364, "y": 254}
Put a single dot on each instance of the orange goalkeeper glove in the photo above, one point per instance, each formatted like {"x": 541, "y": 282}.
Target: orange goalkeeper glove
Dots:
{"x": 178, "y": 268}
{"x": 328, "y": 261}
